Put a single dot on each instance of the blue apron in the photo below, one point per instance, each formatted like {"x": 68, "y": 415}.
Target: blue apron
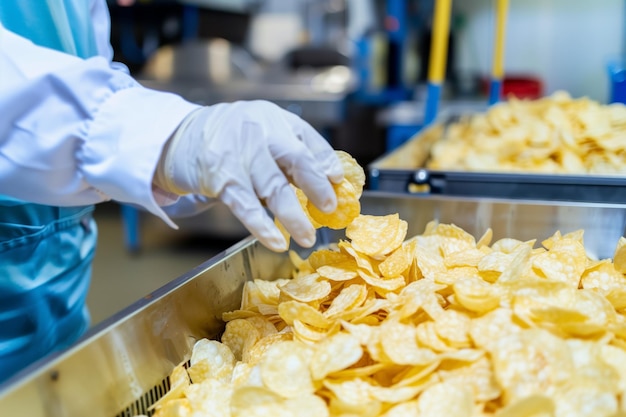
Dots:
{"x": 45, "y": 252}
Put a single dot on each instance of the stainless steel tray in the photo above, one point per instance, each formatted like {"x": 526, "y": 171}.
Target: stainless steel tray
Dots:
{"x": 121, "y": 366}
{"x": 403, "y": 170}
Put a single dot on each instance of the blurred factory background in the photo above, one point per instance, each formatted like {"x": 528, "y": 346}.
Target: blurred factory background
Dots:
{"x": 355, "y": 69}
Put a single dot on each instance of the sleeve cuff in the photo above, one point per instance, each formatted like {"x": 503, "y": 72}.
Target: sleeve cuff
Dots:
{"x": 124, "y": 144}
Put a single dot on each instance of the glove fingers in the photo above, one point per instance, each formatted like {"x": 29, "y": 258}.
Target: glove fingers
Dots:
{"x": 307, "y": 172}
{"x": 245, "y": 205}
{"x": 272, "y": 186}
{"x": 318, "y": 146}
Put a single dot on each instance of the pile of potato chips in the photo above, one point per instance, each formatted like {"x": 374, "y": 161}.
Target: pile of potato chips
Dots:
{"x": 439, "y": 324}
{"x": 555, "y": 134}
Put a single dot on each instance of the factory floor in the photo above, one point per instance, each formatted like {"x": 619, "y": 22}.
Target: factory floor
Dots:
{"x": 121, "y": 277}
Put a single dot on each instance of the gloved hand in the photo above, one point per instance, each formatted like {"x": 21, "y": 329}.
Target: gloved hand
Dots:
{"x": 246, "y": 153}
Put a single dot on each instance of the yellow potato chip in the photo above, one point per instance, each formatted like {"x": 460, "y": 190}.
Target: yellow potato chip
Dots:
{"x": 255, "y": 353}
{"x": 323, "y": 257}
{"x": 343, "y": 271}
{"x": 399, "y": 342}
{"x": 179, "y": 381}
{"x": 475, "y": 294}
{"x": 446, "y": 399}
{"x": 453, "y": 327}
{"x": 285, "y": 369}
{"x": 352, "y": 171}
{"x": 530, "y": 362}
{"x": 405, "y": 409}
{"x": 309, "y": 334}
{"x": 396, "y": 263}
{"x": 349, "y": 298}
{"x": 240, "y": 335}
{"x": 306, "y": 406}
{"x": 384, "y": 284}
{"x": 435, "y": 325}
{"x": 348, "y": 208}
{"x": 565, "y": 262}
{"x": 335, "y": 353}
{"x": 248, "y": 400}
{"x": 485, "y": 239}
{"x": 532, "y": 405}
{"x": 210, "y": 360}
{"x": 555, "y": 134}
{"x": 294, "y": 310}
{"x": 306, "y": 288}
{"x": 619, "y": 258}
{"x": 210, "y": 397}
{"x": 377, "y": 236}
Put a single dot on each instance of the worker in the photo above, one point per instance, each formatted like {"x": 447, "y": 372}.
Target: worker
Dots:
{"x": 77, "y": 129}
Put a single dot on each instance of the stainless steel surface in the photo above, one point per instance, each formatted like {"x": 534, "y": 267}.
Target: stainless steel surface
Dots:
{"x": 124, "y": 357}
{"x": 215, "y": 71}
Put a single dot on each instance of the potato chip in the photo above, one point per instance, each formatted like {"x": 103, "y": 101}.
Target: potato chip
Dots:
{"x": 550, "y": 134}
{"x": 452, "y": 239}
{"x": 306, "y": 406}
{"x": 377, "y": 236}
{"x": 477, "y": 374}
{"x": 428, "y": 337}
{"x": 485, "y": 239}
{"x": 210, "y": 360}
{"x": 262, "y": 324}
{"x": 338, "y": 407}
{"x": 348, "y": 208}
{"x": 363, "y": 261}
{"x": 255, "y": 353}
{"x": 174, "y": 407}
{"x": 475, "y": 294}
{"x": 396, "y": 263}
{"x": 294, "y": 310}
{"x": 308, "y": 334}
{"x": 386, "y": 284}
{"x": 429, "y": 263}
{"x": 536, "y": 405}
{"x": 179, "y": 381}
{"x": 349, "y": 298}
{"x": 352, "y": 171}
{"x": 210, "y": 397}
{"x": 619, "y": 258}
{"x": 304, "y": 203}
{"x": 565, "y": 261}
{"x": 530, "y": 362}
{"x": 405, "y": 409}
{"x": 489, "y": 328}
{"x": 335, "y": 353}
{"x": 324, "y": 257}
{"x": 285, "y": 369}
{"x": 446, "y": 399}
{"x": 247, "y": 399}
{"x": 453, "y": 327}
{"x": 434, "y": 325}
{"x": 239, "y": 336}
{"x": 343, "y": 271}
{"x": 306, "y": 288}
{"x": 399, "y": 342}
{"x": 351, "y": 392}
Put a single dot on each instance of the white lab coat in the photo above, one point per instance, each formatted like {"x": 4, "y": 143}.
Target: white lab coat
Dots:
{"x": 79, "y": 132}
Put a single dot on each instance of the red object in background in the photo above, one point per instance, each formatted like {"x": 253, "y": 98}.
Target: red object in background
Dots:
{"x": 519, "y": 86}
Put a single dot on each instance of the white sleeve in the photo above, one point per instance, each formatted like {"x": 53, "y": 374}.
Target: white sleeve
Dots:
{"x": 76, "y": 131}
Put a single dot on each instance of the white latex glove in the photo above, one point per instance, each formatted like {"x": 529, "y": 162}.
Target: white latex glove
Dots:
{"x": 246, "y": 153}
